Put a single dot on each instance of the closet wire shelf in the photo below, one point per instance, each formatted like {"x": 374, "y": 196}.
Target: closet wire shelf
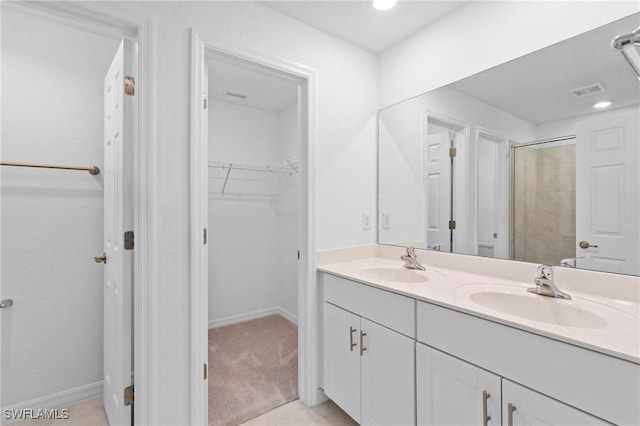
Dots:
{"x": 224, "y": 171}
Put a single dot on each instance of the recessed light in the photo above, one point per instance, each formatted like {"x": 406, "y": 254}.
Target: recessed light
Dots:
{"x": 603, "y": 104}
{"x": 384, "y": 4}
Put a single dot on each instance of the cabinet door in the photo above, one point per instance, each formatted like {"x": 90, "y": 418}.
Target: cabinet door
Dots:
{"x": 532, "y": 408}
{"x": 342, "y": 359}
{"x": 388, "y": 376}
{"x": 453, "y": 392}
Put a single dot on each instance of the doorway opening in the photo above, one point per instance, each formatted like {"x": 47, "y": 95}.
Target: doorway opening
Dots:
{"x": 253, "y": 238}
{"x": 253, "y": 245}
{"x": 54, "y": 345}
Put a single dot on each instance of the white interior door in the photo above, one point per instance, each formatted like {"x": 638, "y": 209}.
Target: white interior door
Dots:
{"x": 438, "y": 190}
{"x": 117, "y": 269}
{"x": 492, "y": 195}
{"x": 607, "y": 192}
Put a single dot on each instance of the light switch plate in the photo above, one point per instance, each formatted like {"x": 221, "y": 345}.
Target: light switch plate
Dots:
{"x": 366, "y": 221}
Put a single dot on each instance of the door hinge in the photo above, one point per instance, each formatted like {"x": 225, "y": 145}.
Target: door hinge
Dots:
{"x": 452, "y": 225}
{"x": 128, "y": 240}
{"x": 204, "y": 236}
{"x": 129, "y": 85}
{"x": 206, "y": 372}
{"x": 298, "y": 254}
{"x": 128, "y": 395}
{"x": 204, "y": 102}
{"x": 453, "y": 152}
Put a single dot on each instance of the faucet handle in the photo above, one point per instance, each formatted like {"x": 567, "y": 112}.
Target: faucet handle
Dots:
{"x": 411, "y": 251}
{"x": 545, "y": 271}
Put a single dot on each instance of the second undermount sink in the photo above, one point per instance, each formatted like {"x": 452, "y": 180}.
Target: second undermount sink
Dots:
{"x": 394, "y": 274}
{"x": 539, "y": 308}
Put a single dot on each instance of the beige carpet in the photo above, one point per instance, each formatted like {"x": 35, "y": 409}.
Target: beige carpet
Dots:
{"x": 253, "y": 368}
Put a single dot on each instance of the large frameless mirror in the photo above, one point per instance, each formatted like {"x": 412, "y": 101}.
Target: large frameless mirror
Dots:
{"x": 536, "y": 160}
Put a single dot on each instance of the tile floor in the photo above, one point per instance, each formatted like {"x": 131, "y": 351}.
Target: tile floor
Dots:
{"x": 91, "y": 413}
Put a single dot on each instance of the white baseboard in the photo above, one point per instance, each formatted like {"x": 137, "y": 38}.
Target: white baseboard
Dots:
{"x": 61, "y": 399}
{"x": 233, "y": 319}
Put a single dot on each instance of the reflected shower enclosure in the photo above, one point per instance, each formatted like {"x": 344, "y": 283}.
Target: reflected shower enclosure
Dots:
{"x": 543, "y": 208}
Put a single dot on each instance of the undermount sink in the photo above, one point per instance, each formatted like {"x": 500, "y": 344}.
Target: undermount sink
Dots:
{"x": 391, "y": 274}
{"x": 538, "y": 308}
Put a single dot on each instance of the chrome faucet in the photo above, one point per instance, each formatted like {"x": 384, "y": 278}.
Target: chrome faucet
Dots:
{"x": 411, "y": 260}
{"x": 570, "y": 262}
{"x": 545, "y": 286}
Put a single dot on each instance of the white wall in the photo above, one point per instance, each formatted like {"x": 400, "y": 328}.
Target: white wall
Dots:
{"x": 400, "y": 172}
{"x": 567, "y": 126}
{"x": 243, "y": 223}
{"x": 52, "y": 221}
{"x": 480, "y": 35}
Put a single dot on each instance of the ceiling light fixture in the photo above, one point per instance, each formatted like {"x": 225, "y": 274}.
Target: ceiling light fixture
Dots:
{"x": 603, "y": 104}
{"x": 384, "y": 4}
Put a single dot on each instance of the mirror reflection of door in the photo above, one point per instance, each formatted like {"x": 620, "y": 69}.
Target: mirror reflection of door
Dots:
{"x": 439, "y": 188}
{"x": 442, "y": 140}
{"x": 607, "y": 192}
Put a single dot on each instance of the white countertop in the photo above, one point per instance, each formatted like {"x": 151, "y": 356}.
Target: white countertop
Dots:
{"x": 616, "y": 331}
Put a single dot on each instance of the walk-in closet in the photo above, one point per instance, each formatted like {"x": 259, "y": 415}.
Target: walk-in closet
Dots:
{"x": 253, "y": 233}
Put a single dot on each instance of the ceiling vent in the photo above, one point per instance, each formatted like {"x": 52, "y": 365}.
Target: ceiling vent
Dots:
{"x": 236, "y": 95}
{"x": 587, "y": 90}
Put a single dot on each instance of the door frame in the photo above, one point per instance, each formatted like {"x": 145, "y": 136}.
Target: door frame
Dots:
{"x": 142, "y": 31}
{"x": 308, "y": 344}
{"x": 504, "y": 244}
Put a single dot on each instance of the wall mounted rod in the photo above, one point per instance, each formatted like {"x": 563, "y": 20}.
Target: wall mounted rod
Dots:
{"x": 540, "y": 142}
{"x": 624, "y": 44}
{"x": 93, "y": 170}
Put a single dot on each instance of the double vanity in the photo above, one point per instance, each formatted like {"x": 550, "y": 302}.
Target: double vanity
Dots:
{"x": 463, "y": 342}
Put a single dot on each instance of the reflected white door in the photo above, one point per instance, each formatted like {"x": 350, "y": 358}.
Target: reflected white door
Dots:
{"x": 607, "y": 192}
{"x": 492, "y": 195}
{"x": 117, "y": 269}
{"x": 438, "y": 190}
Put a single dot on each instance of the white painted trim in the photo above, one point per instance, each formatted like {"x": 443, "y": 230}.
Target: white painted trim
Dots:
{"x": 308, "y": 358}
{"x": 235, "y": 319}
{"x": 461, "y": 211}
{"x": 100, "y": 18}
{"x": 62, "y": 399}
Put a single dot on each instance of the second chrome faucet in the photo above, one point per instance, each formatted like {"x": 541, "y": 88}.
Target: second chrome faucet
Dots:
{"x": 411, "y": 260}
{"x": 545, "y": 285}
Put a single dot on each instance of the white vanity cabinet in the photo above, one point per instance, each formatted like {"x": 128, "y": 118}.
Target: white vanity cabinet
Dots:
{"x": 562, "y": 382}
{"x": 369, "y": 368}
{"x": 524, "y": 407}
{"x": 453, "y": 392}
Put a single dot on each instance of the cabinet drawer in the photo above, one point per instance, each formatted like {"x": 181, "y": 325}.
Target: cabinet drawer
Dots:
{"x": 605, "y": 386}
{"x": 389, "y": 309}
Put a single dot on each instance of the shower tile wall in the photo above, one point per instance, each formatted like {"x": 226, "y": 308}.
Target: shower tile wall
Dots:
{"x": 544, "y": 204}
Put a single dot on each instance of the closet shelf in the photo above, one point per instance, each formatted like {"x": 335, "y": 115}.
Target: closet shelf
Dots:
{"x": 291, "y": 165}
{"x": 288, "y": 166}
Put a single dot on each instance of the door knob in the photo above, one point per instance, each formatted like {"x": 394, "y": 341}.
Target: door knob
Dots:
{"x": 101, "y": 259}
{"x": 6, "y": 303}
{"x": 585, "y": 245}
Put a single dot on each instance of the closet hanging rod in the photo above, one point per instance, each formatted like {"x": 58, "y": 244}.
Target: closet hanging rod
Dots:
{"x": 93, "y": 170}
{"x": 244, "y": 167}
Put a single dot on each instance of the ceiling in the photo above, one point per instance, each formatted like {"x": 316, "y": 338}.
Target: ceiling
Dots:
{"x": 536, "y": 86}
{"x": 357, "y": 22}
{"x": 265, "y": 88}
